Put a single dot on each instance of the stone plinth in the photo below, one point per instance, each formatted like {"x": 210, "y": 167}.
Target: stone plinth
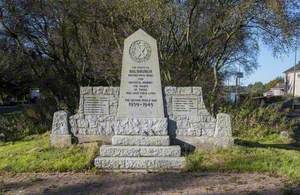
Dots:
{"x": 141, "y": 126}
{"x": 60, "y": 135}
{"x": 147, "y": 148}
{"x": 223, "y": 126}
{"x": 136, "y": 164}
{"x": 137, "y": 140}
{"x": 140, "y": 151}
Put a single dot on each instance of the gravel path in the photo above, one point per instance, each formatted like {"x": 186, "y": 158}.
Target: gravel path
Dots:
{"x": 141, "y": 183}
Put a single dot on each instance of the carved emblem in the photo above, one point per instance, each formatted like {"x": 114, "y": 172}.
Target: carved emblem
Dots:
{"x": 140, "y": 51}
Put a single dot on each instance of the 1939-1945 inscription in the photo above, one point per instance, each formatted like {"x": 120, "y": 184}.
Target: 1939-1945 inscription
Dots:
{"x": 140, "y": 92}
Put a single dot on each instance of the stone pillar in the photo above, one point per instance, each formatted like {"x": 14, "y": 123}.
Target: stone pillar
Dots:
{"x": 60, "y": 135}
{"x": 223, "y": 132}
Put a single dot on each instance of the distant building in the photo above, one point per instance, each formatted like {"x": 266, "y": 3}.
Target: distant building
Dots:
{"x": 289, "y": 80}
{"x": 278, "y": 90}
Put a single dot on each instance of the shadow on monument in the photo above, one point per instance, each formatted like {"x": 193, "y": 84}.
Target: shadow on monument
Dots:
{"x": 186, "y": 148}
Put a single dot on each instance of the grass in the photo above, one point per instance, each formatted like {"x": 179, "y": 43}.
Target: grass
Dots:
{"x": 34, "y": 154}
{"x": 271, "y": 154}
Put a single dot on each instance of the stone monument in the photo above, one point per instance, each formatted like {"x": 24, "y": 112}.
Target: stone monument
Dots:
{"x": 138, "y": 117}
{"x": 140, "y": 140}
{"x": 60, "y": 135}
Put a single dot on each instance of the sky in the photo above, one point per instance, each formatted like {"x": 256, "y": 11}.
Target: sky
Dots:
{"x": 270, "y": 67}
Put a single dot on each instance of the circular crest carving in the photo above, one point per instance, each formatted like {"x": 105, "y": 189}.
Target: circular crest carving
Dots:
{"x": 140, "y": 51}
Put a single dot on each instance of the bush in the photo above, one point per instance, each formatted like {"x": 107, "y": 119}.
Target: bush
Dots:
{"x": 28, "y": 120}
{"x": 250, "y": 120}
{"x": 17, "y": 125}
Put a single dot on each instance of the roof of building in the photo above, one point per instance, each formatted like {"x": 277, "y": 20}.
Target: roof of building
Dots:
{"x": 292, "y": 68}
{"x": 279, "y": 86}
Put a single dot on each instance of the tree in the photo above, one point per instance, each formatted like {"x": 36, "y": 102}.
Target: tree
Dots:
{"x": 257, "y": 88}
{"x": 73, "y": 43}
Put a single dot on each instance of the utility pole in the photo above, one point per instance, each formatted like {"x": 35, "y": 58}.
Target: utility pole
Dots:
{"x": 294, "y": 82}
{"x": 236, "y": 89}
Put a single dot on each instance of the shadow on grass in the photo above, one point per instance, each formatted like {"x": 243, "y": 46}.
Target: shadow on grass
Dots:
{"x": 156, "y": 183}
{"x": 296, "y": 135}
{"x": 290, "y": 146}
{"x": 253, "y": 144}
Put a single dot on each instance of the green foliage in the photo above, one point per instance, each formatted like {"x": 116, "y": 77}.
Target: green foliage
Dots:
{"x": 251, "y": 121}
{"x": 194, "y": 162}
{"x": 257, "y": 88}
{"x": 17, "y": 125}
{"x": 35, "y": 155}
{"x": 58, "y": 46}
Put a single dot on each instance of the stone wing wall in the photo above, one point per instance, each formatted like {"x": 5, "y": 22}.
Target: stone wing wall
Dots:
{"x": 187, "y": 113}
{"x": 85, "y": 122}
{"x": 197, "y": 122}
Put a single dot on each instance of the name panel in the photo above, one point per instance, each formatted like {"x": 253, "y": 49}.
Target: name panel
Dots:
{"x": 184, "y": 105}
{"x": 94, "y": 104}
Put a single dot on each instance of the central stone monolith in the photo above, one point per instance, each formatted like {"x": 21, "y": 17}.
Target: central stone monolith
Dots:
{"x": 140, "y": 92}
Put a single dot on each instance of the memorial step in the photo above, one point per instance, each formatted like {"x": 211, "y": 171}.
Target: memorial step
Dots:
{"x": 140, "y": 151}
{"x": 140, "y": 163}
{"x": 125, "y": 140}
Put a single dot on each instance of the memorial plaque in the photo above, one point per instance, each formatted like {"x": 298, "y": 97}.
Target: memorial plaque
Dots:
{"x": 184, "y": 105}
{"x": 95, "y": 104}
{"x": 140, "y": 92}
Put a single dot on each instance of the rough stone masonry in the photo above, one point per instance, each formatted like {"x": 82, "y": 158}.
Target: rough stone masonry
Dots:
{"x": 140, "y": 114}
{"x": 141, "y": 120}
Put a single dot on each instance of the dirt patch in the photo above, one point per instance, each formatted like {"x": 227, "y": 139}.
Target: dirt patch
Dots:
{"x": 141, "y": 183}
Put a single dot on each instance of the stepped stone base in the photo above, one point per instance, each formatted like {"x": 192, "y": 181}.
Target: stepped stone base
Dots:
{"x": 140, "y": 151}
{"x": 140, "y": 145}
{"x": 140, "y": 163}
{"x": 123, "y": 140}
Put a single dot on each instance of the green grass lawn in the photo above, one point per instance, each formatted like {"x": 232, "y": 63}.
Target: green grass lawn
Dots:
{"x": 34, "y": 154}
{"x": 273, "y": 154}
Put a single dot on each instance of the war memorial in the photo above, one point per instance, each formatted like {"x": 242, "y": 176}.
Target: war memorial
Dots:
{"x": 147, "y": 126}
